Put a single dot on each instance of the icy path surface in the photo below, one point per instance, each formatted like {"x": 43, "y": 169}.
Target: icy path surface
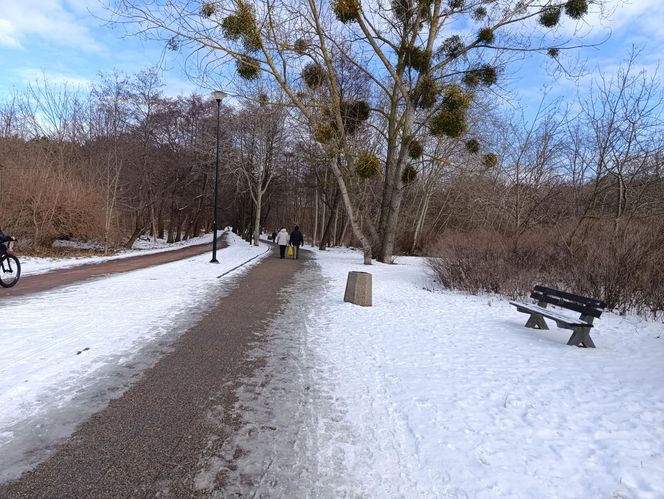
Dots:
{"x": 65, "y": 353}
{"x": 439, "y": 394}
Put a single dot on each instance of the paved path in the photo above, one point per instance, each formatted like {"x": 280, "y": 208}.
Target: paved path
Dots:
{"x": 63, "y": 277}
{"x": 149, "y": 442}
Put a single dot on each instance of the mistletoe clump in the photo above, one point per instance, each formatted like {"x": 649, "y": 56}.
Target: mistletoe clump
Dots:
{"x": 402, "y": 10}
{"x": 553, "y": 52}
{"x": 408, "y": 175}
{"x": 486, "y": 35}
{"x": 242, "y": 26}
{"x": 576, "y": 9}
{"x": 456, "y": 4}
{"x": 417, "y": 58}
{"x": 346, "y": 10}
{"x": 367, "y": 165}
{"x": 313, "y": 75}
{"x": 324, "y": 133}
{"x": 426, "y": 93}
{"x": 354, "y": 113}
{"x": 479, "y": 13}
{"x": 485, "y": 75}
{"x": 207, "y": 10}
{"x": 489, "y": 160}
{"x": 451, "y": 47}
{"x": 173, "y": 44}
{"x": 415, "y": 149}
{"x": 300, "y": 46}
{"x": 248, "y": 67}
{"x": 450, "y": 121}
{"x": 550, "y": 17}
{"x": 473, "y": 146}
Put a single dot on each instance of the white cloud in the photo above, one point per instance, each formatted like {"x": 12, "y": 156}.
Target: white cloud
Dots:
{"x": 53, "y": 21}
{"x": 31, "y": 75}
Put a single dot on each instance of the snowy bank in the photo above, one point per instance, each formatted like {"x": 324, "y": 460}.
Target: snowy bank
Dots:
{"x": 460, "y": 400}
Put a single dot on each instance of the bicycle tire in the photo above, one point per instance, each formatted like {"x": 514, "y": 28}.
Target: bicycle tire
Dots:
{"x": 10, "y": 271}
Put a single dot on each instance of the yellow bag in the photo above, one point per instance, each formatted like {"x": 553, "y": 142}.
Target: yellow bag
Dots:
{"x": 290, "y": 252}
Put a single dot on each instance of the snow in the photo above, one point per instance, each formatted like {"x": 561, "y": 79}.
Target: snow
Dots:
{"x": 36, "y": 265}
{"x": 428, "y": 393}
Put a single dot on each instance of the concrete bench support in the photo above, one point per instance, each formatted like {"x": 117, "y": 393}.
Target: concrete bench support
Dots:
{"x": 358, "y": 288}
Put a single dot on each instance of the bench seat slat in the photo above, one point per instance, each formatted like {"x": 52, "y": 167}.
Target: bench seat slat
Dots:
{"x": 551, "y": 314}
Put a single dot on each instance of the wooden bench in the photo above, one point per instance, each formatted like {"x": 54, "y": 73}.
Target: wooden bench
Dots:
{"x": 589, "y": 308}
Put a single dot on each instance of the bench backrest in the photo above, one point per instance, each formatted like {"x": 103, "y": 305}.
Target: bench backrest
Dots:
{"x": 581, "y": 304}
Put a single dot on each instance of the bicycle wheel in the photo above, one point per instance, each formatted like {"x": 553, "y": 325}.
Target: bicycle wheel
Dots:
{"x": 10, "y": 271}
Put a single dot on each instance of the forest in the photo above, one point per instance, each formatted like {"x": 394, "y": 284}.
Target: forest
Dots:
{"x": 396, "y": 144}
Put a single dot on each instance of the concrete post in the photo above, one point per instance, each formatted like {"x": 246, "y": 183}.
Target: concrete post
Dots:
{"x": 358, "y": 288}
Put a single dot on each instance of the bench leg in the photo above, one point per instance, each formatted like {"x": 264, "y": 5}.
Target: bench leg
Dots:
{"x": 581, "y": 337}
{"x": 536, "y": 321}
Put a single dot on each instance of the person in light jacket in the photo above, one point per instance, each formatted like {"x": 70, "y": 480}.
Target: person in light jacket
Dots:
{"x": 282, "y": 240}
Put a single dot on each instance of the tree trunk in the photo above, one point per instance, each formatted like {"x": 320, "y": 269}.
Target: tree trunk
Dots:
{"x": 366, "y": 246}
{"x": 315, "y": 235}
{"x": 138, "y": 230}
{"x": 325, "y": 237}
{"x": 257, "y": 216}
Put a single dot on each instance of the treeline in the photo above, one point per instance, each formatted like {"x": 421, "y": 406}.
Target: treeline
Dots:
{"x": 120, "y": 161}
{"x": 572, "y": 196}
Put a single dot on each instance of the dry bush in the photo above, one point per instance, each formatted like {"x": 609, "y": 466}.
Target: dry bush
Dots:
{"x": 481, "y": 261}
{"x": 623, "y": 268}
{"x": 40, "y": 205}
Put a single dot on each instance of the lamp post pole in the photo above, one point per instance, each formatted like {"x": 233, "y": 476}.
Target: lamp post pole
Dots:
{"x": 218, "y": 96}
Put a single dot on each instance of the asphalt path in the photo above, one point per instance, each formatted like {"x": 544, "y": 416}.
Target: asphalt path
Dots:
{"x": 63, "y": 277}
{"x": 150, "y": 441}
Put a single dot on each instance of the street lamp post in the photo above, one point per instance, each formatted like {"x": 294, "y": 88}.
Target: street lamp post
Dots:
{"x": 218, "y": 96}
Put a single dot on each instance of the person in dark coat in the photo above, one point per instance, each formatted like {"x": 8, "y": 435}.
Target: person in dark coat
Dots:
{"x": 274, "y": 236}
{"x": 296, "y": 239}
{"x": 4, "y": 238}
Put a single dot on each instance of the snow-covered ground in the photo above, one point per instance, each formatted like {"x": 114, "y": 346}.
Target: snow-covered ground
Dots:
{"x": 145, "y": 246}
{"x": 427, "y": 393}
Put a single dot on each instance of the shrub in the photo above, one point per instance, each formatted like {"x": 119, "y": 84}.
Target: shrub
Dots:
{"x": 625, "y": 270}
{"x": 41, "y": 205}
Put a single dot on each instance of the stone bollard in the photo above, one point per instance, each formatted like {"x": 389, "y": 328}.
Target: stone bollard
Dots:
{"x": 358, "y": 288}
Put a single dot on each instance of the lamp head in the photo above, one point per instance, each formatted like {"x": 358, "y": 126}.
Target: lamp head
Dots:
{"x": 219, "y": 95}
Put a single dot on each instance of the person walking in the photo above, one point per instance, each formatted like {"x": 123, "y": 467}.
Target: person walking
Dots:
{"x": 296, "y": 239}
{"x": 282, "y": 241}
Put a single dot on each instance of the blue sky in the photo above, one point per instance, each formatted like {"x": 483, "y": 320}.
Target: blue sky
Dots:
{"x": 66, "y": 41}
